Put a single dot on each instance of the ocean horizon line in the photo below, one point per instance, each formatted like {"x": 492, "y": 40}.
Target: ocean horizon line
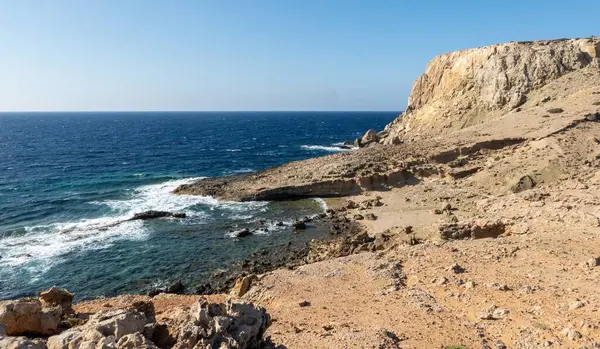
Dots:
{"x": 197, "y": 111}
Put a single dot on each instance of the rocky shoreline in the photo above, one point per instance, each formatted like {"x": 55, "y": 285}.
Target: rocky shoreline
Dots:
{"x": 472, "y": 221}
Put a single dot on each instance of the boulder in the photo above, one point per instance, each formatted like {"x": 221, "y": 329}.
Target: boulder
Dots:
{"x": 521, "y": 183}
{"x": 135, "y": 341}
{"x": 299, "y": 225}
{"x": 471, "y": 230}
{"x": 27, "y": 316}
{"x": 357, "y": 143}
{"x": 370, "y": 217}
{"x": 242, "y": 233}
{"x": 236, "y": 325}
{"x": 176, "y": 288}
{"x": 146, "y": 215}
{"x": 393, "y": 140}
{"x": 103, "y": 330}
{"x": 369, "y": 137}
{"x": 21, "y": 343}
{"x": 55, "y": 296}
{"x": 242, "y": 285}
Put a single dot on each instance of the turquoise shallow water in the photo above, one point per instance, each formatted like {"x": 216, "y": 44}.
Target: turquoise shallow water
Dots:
{"x": 66, "y": 177}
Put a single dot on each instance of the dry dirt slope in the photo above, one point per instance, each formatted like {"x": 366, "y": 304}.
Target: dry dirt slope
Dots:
{"x": 536, "y": 286}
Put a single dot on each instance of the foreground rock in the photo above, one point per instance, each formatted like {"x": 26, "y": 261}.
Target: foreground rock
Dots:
{"x": 135, "y": 324}
{"x": 103, "y": 330}
{"x": 57, "y": 297}
{"x": 233, "y": 325}
{"x": 21, "y": 343}
{"x": 27, "y": 316}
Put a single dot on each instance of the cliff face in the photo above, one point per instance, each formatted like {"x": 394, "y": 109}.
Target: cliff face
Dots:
{"x": 463, "y": 88}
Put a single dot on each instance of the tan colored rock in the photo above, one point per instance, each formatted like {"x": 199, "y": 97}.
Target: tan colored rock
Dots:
{"x": 135, "y": 341}
{"x": 27, "y": 316}
{"x": 459, "y": 89}
{"x": 103, "y": 330}
{"x": 369, "y": 137}
{"x": 242, "y": 285}
{"x": 55, "y": 296}
{"x": 21, "y": 343}
{"x": 236, "y": 325}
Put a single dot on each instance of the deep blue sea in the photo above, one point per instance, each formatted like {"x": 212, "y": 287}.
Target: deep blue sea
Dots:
{"x": 66, "y": 177}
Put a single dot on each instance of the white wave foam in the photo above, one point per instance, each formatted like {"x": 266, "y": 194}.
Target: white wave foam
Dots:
{"x": 45, "y": 245}
{"x": 242, "y": 170}
{"x": 233, "y": 150}
{"x": 321, "y": 203}
{"x": 324, "y": 148}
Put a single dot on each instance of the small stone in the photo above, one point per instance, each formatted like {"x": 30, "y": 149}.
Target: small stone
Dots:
{"x": 304, "y": 303}
{"x": 555, "y": 110}
{"x": 469, "y": 284}
{"x": 442, "y": 280}
{"x": 446, "y": 207}
{"x": 370, "y": 217}
{"x": 299, "y": 225}
{"x": 592, "y": 116}
{"x": 327, "y": 327}
{"x": 455, "y": 268}
{"x": 242, "y": 233}
{"x": 576, "y": 305}
{"x": 358, "y": 217}
{"x": 592, "y": 262}
{"x": 497, "y": 286}
{"x": 493, "y": 313}
{"x": 571, "y": 334}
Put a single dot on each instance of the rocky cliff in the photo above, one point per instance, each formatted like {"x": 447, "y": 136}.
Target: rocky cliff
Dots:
{"x": 464, "y": 88}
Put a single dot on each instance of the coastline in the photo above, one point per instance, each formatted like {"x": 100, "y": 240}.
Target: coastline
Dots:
{"x": 455, "y": 229}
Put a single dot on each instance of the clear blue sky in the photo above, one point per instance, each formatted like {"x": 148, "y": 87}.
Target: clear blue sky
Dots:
{"x": 250, "y": 54}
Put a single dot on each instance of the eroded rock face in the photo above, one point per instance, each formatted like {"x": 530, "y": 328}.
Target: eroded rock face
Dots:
{"x": 55, "y": 296}
{"x": 235, "y": 325}
{"x": 459, "y": 88}
{"x": 242, "y": 285}
{"x": 21, "y": 343}
{"x": 103, "y": 330}
{"x": 27, "y": 316}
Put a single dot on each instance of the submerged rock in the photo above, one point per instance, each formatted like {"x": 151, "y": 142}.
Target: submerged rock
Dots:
{"x": 299, "y": 225}
{"x": 176, "y": 288}
{"x": 242, "y": 233}
{"x": 146, "y": 215}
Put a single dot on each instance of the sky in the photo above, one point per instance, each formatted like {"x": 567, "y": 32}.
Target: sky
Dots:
{"x": 143, "y": 55}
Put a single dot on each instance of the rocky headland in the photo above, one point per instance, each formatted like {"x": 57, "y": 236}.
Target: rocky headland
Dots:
{"x": 471, "y": 221}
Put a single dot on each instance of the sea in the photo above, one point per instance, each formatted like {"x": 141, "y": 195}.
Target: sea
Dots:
{"x": 69, "y": 181}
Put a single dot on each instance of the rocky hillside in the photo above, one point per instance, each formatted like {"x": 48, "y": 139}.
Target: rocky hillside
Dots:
{"x": 464, "y": 88}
